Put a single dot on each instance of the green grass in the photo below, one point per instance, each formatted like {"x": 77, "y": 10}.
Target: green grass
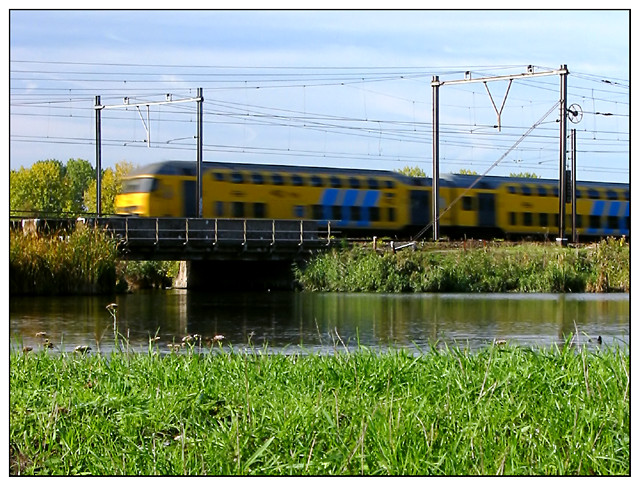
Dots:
{"x": 502, "y": 410}
{"x": 526, "y": 267}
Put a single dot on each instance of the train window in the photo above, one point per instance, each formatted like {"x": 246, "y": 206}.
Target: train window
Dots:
{"x": 612, "y": 195}
{"x": 374, "y": 214}
{"x": 513, "y": 220}
{"x": 316, "y": 181}
{"x": 511, "y": 189}
{"x": 237, "y": 177}
{"x": 354, "y": 183}
{"x": 237, "y": 209}
{"x": 593, "y": 194}
{"x": 526, "y": 190}
{"x": 542, "y": 191}
{"x": 277, "y": 179}
{"x": 527, "y": 219}
{"x": 556, "y": 223}
{"x": 298, "y": 211}
{"x": 257, "y": 178}
{"x": 336, "y": 213}
{"x": 578, "y": 193}
{"x": 544, "y": 219}
{"x": 356, "y": 213}
{"x": 296, "y": 180}
{"x": 372, "y": 183}
{"x": 594, "y": 221}
{"x": 467, "y": 203}
{"x": 219, "y": 208}
{"x": 392, "y": 214}
{"x": 613, "y": 222}
{"x": 259, "y": 210}
{"x": 140, "y": 184}
{"x": 317, "y": 212}
{"x": 389, "y": 184}
{"x": 554, "y": 191}
{"x": 578, "y": 220}
{"x": 625, "y": 195}
{"x": 335, "y": 181}
{"x": 217, "y": 176}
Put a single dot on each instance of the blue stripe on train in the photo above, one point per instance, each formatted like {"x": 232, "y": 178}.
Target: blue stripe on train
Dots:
{"x": 610, "y": 209}
{"x": 370, "y": 200}
{"x": 347, "y": 199}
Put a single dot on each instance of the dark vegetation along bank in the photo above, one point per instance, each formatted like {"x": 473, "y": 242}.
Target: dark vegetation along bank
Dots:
{"x": 503, "y": 410}
{"x": 85, "y": 261}
{"x": 82, "y": 261}
{"x": 472, "y": 267}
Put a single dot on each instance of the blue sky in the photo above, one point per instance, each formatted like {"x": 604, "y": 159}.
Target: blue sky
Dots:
{"x": 330, "y": 88}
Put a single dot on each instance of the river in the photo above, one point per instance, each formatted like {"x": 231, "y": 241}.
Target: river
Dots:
{"x": 318, "y": 322}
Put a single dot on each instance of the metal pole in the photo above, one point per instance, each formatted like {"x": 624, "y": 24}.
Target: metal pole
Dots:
{"x": 435, "y": 83}
{"x": 574, "y": 176}
{"x": 199, "y": 156}
{"x": 98, "y": 109}
{"x": 563, "y": 152}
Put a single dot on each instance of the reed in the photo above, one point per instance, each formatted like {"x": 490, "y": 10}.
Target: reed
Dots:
{"x": 503, "y": 410}
{"x": 526, "y": 267}
{"x": 81, "y": 261}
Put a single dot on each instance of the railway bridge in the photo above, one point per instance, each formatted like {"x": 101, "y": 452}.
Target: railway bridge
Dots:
{"x": 218, "y": 253}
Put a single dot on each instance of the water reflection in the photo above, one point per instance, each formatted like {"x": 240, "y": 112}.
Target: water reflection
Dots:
{"x": 322, "y": 322}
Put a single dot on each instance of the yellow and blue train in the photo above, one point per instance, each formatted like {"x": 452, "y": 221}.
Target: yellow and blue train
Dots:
{"x": 374, "y": 202}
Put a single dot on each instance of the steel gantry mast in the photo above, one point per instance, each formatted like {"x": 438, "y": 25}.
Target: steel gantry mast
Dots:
{"x": 436, "y": 84}
{"x": 126, "y": 103}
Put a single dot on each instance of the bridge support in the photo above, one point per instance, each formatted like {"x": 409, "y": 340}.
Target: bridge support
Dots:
{"x": 234, "y": 275}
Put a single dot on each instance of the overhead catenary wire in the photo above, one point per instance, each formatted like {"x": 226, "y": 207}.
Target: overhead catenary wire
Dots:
{"x": 408, "y": 135}
{"x": 486, "y": 172}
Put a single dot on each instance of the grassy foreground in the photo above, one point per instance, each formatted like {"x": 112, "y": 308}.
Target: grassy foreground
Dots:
{"x": 503, "y": 410}
{"x": 492, "y": 267}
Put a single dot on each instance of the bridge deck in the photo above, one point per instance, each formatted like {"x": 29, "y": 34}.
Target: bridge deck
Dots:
{"x": 214, "y": 239}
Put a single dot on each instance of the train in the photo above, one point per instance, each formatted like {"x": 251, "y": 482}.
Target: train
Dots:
{"x": 362, "y": 202}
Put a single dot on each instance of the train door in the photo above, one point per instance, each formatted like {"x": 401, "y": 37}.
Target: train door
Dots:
{"x": 420, "y": 208}
{"x": 189, "y": 199}
{"x": 486, "y": 210}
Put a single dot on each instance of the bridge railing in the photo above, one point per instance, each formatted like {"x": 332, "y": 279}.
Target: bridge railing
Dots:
{"x": 201, "y": 232}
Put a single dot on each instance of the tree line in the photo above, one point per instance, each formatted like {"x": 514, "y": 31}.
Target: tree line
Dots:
{"x": 52, "y": 187}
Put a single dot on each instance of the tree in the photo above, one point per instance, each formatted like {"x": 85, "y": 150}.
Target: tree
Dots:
{"x": 40, "y": 188}
{"x": 79, "y": 176}
{"x": 467, "y": 172}
{"x": 528, "y": 175}
{"x": 111, "y": 186}
{"x": 412, "y": 171}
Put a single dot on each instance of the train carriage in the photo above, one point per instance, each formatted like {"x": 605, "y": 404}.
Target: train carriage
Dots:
{"x": 374, "y": 202}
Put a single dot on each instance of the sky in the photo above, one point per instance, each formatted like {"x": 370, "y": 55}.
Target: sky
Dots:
{"x": 328, "y": 88}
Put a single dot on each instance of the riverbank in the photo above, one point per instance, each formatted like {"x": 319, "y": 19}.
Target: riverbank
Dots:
{"x": 500, "y": 411}
{"x": 469, "y": 267}
{"x": 82, "y": 261}
{"x": 85, "y": 261}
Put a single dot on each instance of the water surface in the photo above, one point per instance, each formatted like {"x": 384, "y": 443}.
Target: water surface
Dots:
{"x": 318, "y": 322}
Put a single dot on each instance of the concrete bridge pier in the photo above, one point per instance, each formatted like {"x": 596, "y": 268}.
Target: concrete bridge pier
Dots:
{"x": 234, "y": 275}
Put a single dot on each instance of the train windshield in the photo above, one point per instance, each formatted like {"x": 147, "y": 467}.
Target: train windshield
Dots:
{"x": 140, "y": 184}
